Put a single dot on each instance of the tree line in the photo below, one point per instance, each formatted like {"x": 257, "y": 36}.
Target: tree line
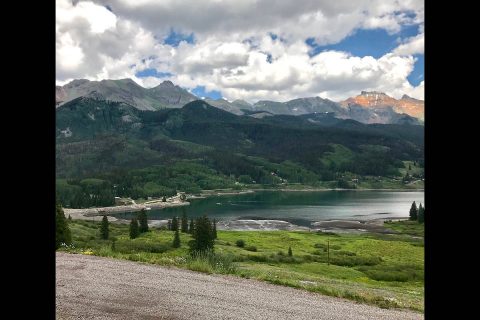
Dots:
{"x": 202, "y": 229}
{"x": 417, "y": 214}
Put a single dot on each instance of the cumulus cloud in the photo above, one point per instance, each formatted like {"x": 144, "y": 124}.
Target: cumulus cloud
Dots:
{"x": 411, "y": 46}
{"x": 234, "y": 51}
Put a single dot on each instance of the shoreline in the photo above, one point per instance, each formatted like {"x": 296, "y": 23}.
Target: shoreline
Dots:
{"x": 338, "y": 189}
{"x": 346, "y": 226}
{"x": 95, "y": 214}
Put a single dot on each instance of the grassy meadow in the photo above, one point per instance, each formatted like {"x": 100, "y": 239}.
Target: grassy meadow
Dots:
{"x": 380, "y": 269}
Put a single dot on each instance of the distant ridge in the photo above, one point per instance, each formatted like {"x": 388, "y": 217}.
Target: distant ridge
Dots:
{"x": 368, "y": 107}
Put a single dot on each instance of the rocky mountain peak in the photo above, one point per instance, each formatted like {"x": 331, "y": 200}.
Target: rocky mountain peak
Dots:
{"x": 373, "y": 94}
{"x": 166, "y": 84}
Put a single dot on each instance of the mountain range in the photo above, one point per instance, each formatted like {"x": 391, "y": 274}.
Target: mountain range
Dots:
{"x": 368, "y": 107}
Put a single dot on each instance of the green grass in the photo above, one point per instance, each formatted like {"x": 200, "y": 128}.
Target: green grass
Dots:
{"x": 378, "y": 269}
{"x": 411, "y": 168}
{"x": 407, "y": 227}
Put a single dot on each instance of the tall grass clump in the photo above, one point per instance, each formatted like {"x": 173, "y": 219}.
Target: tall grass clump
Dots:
{"x": 210, "y": 262}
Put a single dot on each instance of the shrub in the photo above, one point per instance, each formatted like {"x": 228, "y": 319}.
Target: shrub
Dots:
{"x": 104, "y": 228}
{"x": 203, "y": 235}
{"x": 142, "y": 220}
{"x": 351, "y": 261}
{"x": 251, "y": 248}
{"x": 208, "y": 261}
{"x": 134, "y": 229}
{"x": 240, "y": 243}
{"x": 139, "y": 245}
{"x": 62, "y": 231}
{"x": 400, "y": 273}
{"x": 176, "y": 240}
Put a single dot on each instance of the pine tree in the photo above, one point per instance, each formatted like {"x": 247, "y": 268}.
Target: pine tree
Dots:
{"x": 214, "y": 229}
{"x": 409, "y": 167}
{"x": 290, "y": 251}
{"x": 202, "y": 235}
{"x": 174, "y": 224}
{"x": 142, "y": 219}
{"x": 169, "y": 225}
{"x": 69, "y": 218}
{"x": 191, "y": 229}
{"x": 104, "y": 228}
{"x": 62, "y": 231}
{"x": 134, "y": 232}
{"x": 164, "y": 199}
{"x": 184, "y": 222}
{"x": 176, "y": 240}
{"x": 421, "y": 214}
{"x": 413, "y": 211}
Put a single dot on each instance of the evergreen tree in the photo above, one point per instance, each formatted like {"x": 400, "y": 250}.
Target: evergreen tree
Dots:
{"x": 203, "y": 235}
{"x": 184, "y": 222}
{"x": 69, "y": 218}
{"x": 134, "y": 230}
{"x": 62, "y": 231}
{"x": 421, "y": 214}
{"x": 214, "y": 229}
{"x": 174, "y": 224}
{"x": 191, "y": 229}
{"x": 104, "y": 228}
{"x": 413, "y": 211}
{"x": 290, "y": 251}
{"x": 169, "y": 225}
{"x": 409, "y": 167}
{"x": 176, "y": 240}
{"x": 142, "y": 219}
{"x": 164, "y": 199}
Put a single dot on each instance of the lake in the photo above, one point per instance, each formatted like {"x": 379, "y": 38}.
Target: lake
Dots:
{"x": 299, "y": 208}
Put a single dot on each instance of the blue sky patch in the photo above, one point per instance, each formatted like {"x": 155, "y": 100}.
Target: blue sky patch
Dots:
{"x": 174, "y": 38}
{"x": 374, "y": 42}
{"x": 272, "y": 35}
{"x": 418, "y": 71}
{"x": 269, "y": 58}
{"x": 152, "y": 73}
{"x": 199, "y": 91}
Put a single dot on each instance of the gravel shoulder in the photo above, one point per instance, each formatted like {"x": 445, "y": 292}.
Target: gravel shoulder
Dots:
{"x": 89, "y": 287}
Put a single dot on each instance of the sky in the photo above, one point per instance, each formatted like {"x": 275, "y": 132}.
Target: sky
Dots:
{"x": 251, "y": 49}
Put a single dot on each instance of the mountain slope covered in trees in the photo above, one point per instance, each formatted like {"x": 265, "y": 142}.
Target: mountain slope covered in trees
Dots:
{"x": 111, "y": 148}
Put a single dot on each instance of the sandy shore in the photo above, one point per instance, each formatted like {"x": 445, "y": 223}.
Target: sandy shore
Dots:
{"x": 354, "y": 226}
{"x": 259, "y": 225}
{"x": 338, "y": 189}
{"x": 96, "y": 214}
{"x": 335, "y": 226}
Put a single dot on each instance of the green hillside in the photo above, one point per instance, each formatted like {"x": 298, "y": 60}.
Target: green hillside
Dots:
{"x": 154, "y": 153}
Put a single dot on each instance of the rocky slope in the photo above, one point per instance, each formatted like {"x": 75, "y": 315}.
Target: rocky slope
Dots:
{"x": 379, "y": 100}
{"x": 165, "y": 95}
{"x": 368, "y": 107}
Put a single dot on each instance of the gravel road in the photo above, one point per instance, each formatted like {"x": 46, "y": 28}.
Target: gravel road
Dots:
{"x": 89, "y": 287}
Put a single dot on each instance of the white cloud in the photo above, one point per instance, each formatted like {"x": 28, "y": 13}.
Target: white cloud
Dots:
{"x": 411, "y": 46}
{"x": 95, "y": 44}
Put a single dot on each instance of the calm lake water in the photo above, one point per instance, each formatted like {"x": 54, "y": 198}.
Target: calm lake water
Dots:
{"x": 300, "y": 208}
